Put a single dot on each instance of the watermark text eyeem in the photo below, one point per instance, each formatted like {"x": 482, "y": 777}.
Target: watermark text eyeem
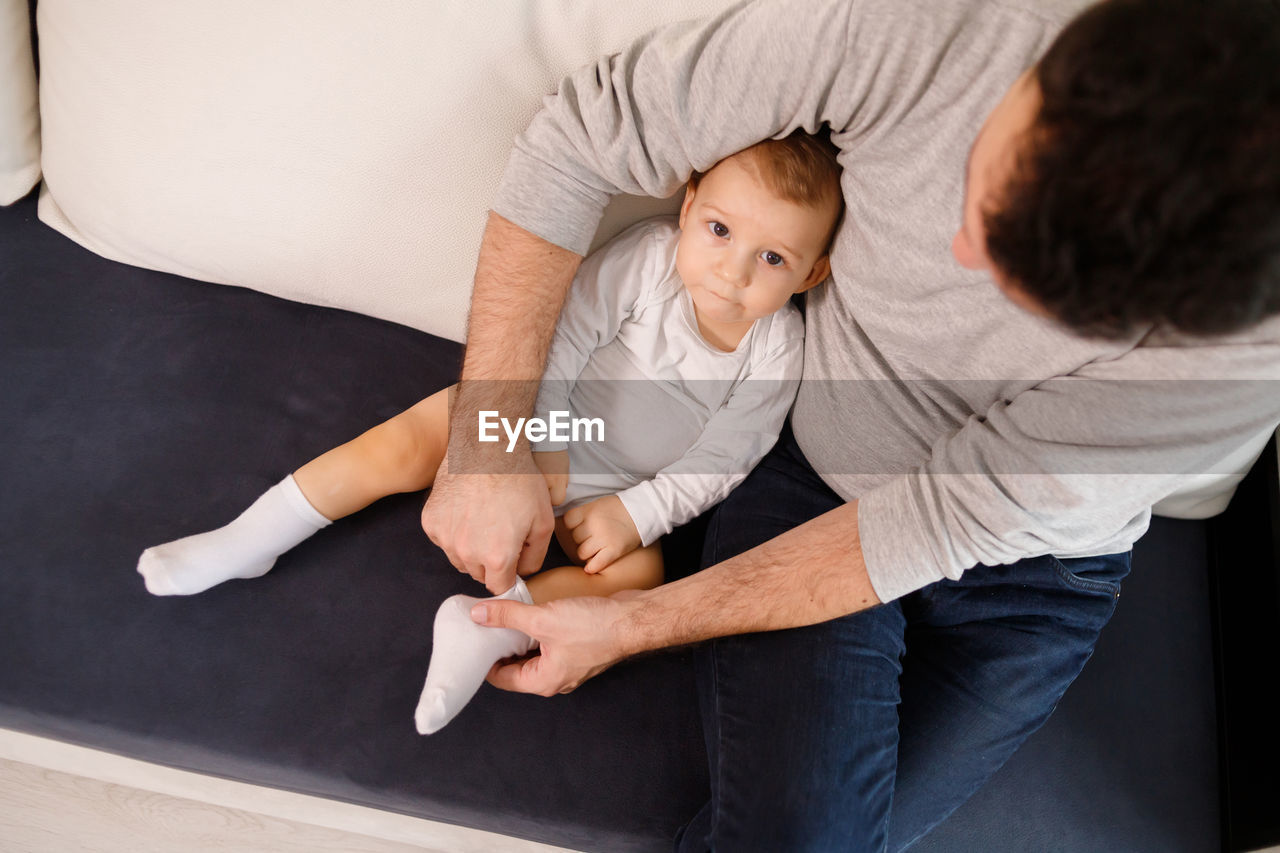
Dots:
{"x": 558, "y": 426}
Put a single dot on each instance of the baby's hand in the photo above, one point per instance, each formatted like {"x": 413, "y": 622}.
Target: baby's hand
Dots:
{"x": 603, "y": 530}
{"x": 554, "y": 466}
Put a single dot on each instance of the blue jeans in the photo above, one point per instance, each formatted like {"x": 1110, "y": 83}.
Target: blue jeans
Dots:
{"x": 865, "y": 732}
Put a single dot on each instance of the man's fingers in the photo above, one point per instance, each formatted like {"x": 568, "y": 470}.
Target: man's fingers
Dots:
{"x": 491, "y": 564}
{"x": 531, "y": 675}
{"x": 535, "y": 546}
{"x": 506, "y": 614}
{"x": 429, "y": 528}
{"x": 531, "y": 558}
{"x": 453, "y": 561}
{"x": 522, "y": 676}
{"x": 448, "y": 554}
{"x": 500, "y": 580}
{"x": 575, "y": 638}
{"x": 491, "y": 570}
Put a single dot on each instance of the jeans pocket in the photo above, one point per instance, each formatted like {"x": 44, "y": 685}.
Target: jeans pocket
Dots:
{"x": 1101, "y": 574}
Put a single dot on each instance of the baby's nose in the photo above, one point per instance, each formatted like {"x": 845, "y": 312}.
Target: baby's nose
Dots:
{"x": 732, "y": 271}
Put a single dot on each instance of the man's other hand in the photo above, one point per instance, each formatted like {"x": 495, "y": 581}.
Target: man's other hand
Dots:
{"x": 578, "y": 639}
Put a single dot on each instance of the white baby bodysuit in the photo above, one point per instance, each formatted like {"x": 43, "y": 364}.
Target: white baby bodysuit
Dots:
{"x": 684, "y": 422}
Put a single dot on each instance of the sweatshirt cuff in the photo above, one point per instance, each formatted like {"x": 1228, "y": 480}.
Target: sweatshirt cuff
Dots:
{"x": 548, "y": 203}
{"x": 897, "y": 544}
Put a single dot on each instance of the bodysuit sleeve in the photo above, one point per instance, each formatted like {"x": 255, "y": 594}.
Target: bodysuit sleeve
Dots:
{"x": 733, "y": 441}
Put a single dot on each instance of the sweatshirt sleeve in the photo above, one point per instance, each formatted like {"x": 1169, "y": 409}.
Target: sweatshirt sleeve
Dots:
{"x": 1068, "y": 463}
{"x": 684, "y": 97}
{"x": 608, "y": 288}
{"x": 734, "y": 440}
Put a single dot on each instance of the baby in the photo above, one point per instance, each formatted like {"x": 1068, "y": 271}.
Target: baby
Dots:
{"x": 678, "y": 339}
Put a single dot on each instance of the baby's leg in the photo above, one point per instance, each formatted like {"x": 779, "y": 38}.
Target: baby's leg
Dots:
{"x": 463, "y": 652}
{"x": 640, "y": 569}
{"x": 399, "y": 455}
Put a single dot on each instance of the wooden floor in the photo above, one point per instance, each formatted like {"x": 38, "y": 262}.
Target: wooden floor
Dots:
{"x": 45, "y": 811}
{"x": 60, "y": 798}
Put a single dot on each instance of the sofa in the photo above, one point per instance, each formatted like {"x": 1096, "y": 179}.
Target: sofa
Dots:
{"x": 183, "y": 323}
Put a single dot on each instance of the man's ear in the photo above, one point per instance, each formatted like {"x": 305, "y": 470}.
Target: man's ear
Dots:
{"x": 686, "y": 204}
{"x": 821, "y": 269}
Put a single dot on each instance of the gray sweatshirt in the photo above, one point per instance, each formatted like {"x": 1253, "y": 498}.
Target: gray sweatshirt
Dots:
{"x": 969, "y": 430}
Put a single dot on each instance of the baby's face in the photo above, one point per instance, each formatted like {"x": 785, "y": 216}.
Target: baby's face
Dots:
{"x": 743, "y": 251}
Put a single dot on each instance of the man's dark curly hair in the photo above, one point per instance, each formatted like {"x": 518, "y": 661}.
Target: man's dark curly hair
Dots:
{"x": 1147, "y": 190}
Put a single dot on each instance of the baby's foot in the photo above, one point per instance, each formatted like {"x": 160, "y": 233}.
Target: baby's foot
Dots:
{"x": 245, "y": 548}
{"x": 462, "y": 654}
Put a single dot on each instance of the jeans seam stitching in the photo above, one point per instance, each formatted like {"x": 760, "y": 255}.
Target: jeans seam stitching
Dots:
{"x": 1082, "y": 583}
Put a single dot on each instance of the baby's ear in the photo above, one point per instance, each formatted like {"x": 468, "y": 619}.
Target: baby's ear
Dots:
{"x": 821, "y": 269}
{"x": 686, "y": 204}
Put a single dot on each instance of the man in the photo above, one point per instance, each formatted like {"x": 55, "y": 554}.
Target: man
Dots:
{"x": 1053, "y": 297}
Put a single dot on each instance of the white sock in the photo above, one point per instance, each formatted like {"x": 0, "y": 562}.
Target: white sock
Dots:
{"x": 462, "y": 654}
{"x": 245, "y": 548}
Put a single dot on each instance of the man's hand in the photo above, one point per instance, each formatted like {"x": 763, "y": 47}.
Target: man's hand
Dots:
{"x": 578, "y": 639}
{"x": 794, "y": 579}
{"x": 492, "y": 517}
{"x": 491, "y": 525}
{"x": 554, "y": 466}
{"x": 603, "y": 530}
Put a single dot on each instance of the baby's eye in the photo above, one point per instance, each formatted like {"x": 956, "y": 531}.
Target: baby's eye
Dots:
{"x": 718, "y": 228}
{"x": 773, "y": 259}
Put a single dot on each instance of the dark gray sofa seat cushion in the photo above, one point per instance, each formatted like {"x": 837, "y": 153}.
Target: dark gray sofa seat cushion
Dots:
{"x": 140, "y": 406}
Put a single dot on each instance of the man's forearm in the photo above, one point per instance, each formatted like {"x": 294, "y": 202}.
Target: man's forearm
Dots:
{"x": 521, "y": 282}
{"x": 807, "y": 575}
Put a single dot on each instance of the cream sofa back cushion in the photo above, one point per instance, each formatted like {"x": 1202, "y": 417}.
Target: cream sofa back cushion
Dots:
{"x": 19, "y": 114}
{"x": 328, "y": 151}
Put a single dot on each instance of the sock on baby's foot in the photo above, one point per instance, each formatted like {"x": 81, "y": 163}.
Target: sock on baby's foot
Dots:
{"x": 245, "y": 548}
{"x": 462, "y": 653}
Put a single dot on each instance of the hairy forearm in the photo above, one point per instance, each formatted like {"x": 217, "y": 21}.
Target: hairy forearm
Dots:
{"x": 521, "y": 282}
{"x": 810, "y": 574}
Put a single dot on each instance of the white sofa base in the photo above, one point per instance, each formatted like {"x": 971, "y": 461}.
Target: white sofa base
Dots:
{"x": 56, "y": 796}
